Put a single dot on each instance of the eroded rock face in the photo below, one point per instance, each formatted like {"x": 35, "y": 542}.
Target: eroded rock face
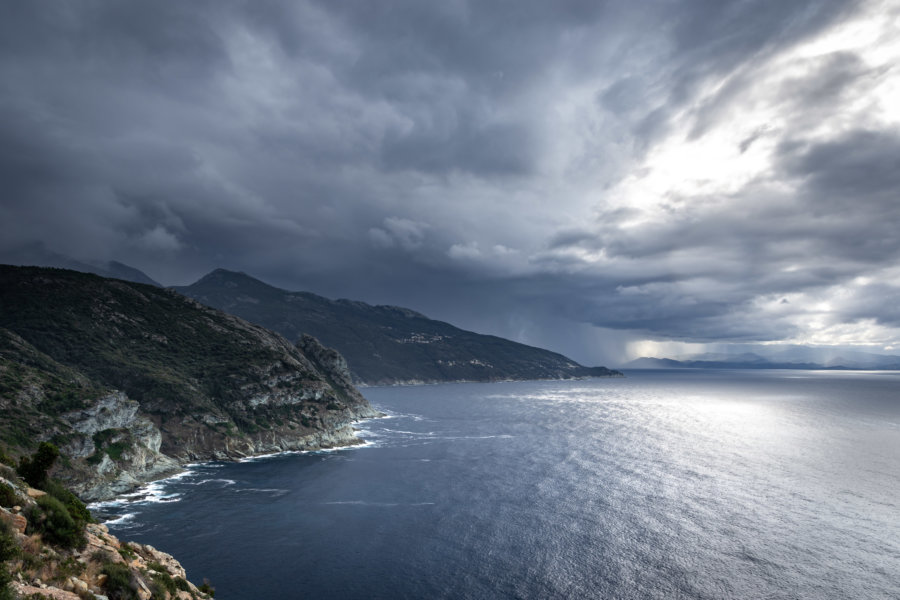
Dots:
{"x": 136, "y": 441}
{"x": 121, "y": 448}
{"x": 114, "y": 411}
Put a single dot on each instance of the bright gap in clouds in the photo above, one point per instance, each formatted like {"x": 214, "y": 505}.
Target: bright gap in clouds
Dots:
{"x": 728, "y": 140}
{"x": 746, "y": 116}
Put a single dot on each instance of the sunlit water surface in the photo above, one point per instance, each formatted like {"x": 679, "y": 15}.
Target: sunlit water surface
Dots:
{"x": 684, "y": 484}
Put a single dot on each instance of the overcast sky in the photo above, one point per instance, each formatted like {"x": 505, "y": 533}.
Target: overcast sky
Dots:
{"x": 607, "y": 179}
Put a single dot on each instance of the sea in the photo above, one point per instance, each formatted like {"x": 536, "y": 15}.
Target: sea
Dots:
{"x": 663, "y": 484}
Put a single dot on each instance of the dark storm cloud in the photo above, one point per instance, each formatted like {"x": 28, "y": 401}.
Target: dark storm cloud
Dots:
{"x": 463, "y": 158}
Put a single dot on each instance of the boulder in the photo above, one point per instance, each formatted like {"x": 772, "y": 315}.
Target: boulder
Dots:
{"x": 29, "y": 591}
{"x": 17, "y": 522}
{"x": 33, "y": 493}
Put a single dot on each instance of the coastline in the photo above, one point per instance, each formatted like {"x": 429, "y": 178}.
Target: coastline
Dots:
{"x": 147, "y": 491}
{"x": 420, "y": 382}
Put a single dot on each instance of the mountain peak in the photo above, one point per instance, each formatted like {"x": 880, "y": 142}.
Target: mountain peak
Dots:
{"x": 232, "y": 279}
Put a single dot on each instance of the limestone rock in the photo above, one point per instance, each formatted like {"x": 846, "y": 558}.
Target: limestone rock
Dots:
{"x": 27, "y": 591}
{"x": 33, "y": 493}
{"x": 17, "y": 522}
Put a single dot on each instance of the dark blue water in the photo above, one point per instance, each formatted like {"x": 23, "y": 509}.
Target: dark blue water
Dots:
{"x": 685, "y": 484}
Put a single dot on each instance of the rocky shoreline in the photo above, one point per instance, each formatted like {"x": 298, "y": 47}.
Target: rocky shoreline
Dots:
{"x": 344, "y": 438}
{"x": 148, "y": 464}
{"x": 98, "y": 566}
{"x": 414, "y": 382}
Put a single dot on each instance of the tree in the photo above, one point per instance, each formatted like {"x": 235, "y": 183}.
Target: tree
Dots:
{"x": 34, "y": 470}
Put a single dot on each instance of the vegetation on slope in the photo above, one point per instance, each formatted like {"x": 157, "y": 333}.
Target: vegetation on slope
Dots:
{"x": 384, "y": 344}
{"x": 178, "y": 359}
{"x": 129, "y": 380}
{"x": 50, "y": 546}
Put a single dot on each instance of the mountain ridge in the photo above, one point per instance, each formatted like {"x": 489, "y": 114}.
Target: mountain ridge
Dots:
{"x": 131, "y": 381}
{"x": 384, "y": 344}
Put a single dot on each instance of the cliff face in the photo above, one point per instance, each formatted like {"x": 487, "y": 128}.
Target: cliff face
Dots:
{"x": 385, "y": 344}
{"x": 130, "y": 381}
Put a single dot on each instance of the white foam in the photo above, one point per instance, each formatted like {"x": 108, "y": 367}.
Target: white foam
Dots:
{"x": 257, "y": 457}
{"x": 367, "y": 503}
{"x": 119, "y": 521}
{"x": 274, "y": 491}
{"x": 153, "y": 492}
{"x": 226, "y": 482}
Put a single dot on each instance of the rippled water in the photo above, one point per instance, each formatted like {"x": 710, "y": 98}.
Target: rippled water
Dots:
{"x": 662, "y": 485}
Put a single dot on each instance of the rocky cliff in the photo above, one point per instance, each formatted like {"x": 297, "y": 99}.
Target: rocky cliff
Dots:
{"x": 130, "y": 381}
{"x": 93, "y": 565}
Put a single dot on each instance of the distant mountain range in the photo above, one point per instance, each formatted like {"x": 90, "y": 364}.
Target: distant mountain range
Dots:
{"x": 796, "y": 358}
{"x": 36, "y": 255}
{"x": 384, "y": 344}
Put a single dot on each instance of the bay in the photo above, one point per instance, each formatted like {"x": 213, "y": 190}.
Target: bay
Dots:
{"x": 669, "y": 484}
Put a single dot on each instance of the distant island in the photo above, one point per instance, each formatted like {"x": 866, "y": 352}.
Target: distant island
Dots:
{"x": 848, "y": 361}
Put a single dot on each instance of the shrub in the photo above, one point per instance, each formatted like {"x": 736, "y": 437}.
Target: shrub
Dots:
{"x": 6, "y": 592}
{"x": 120, "y": 584}
{"x": 157, "y": 591}
{"x": 8, "y": 549}
{"x": 182, "y": 584}
{"x": 6, "y": 459}
{"x": 165, "y": 581}
{"x": 8, "y": 496}
{"x": 8, "y": 546}
{"x": 34, "y": 470}
{"x": 52, "y": 520}
{"x": 73, "y": 504}
{"x": 207, "y": 588}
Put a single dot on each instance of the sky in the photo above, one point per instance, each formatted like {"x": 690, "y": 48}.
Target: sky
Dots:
{"x": 606, "y": 179}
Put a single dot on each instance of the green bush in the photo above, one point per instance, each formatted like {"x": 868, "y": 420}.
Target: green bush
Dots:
{"x": 34, "y": 470}
{"x": 120, "y": 584}
{"x": 8, "y": 549}
{"x": 8, "y": 496}
{"x": 6, "y": 592}
{"x": 8, "y": 546}
{"x": 73, "y": 504}
{"x": 52, "y": 520}
{"x": 207, "y": 588}
{"x": 165, "y": 581}
{"x": 6, "y": 459}
{"x": 182, "y": 584}
{"x": 157, "y": 591}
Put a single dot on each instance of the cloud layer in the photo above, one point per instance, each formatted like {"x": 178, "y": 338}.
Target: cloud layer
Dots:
{"x": 571, "y": 174}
